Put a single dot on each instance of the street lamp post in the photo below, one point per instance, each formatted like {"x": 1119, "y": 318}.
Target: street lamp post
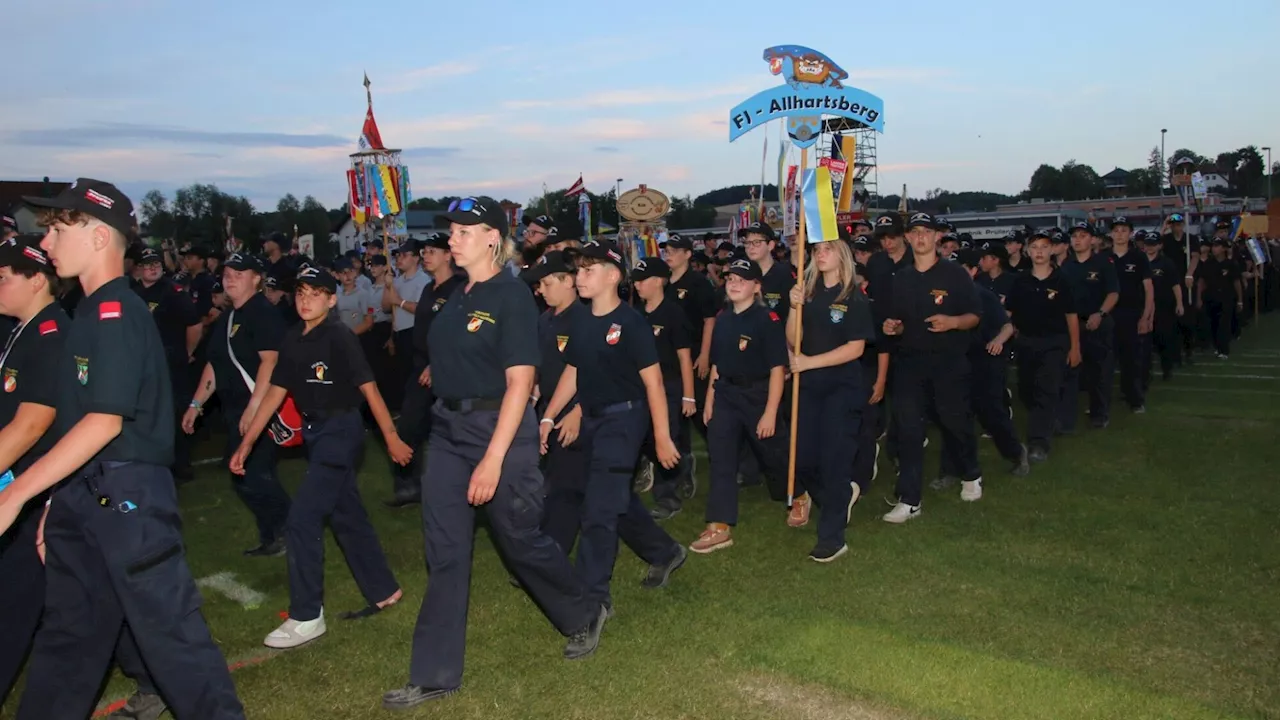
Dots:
{"x": 1163, "y": 169}
{"x": 1269, "y": 173}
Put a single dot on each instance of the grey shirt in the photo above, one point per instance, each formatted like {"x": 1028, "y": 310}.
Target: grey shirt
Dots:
{"x": 409, "y": 289}
{"x": 352, "y": 308}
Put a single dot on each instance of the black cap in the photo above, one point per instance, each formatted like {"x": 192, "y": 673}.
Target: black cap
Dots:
{"x": 1142, "y": 237}
{"x": 1015, "y": 235}
{"x": 543, "y": 221}
{"x": 1121, "y": 220}
{"x": 1222, "y": 225}
{"x": 477, "y": 210}
{"x": 725, "y": 247}
{"x": 889, "y": 225}
{"x": 271, "y": 282}
{"x": 7, "y": 222}
{"x": 95, "y": 198}
{"x": 23, "y": 253}
{"x": 759, "y": 228}
{"x": 319, "y": 279}
{"x": 699, "y": 257}
{"x": 968, "y": 258}
{"x": 410, "y": 246}
{"x": 995, "y": 250}
{"x": 242, "y": 261}
{"x": 675, "y": 242}
{"x": 343, "y": 263}
{"x": 147, "y": 255}
{"x": 550, "y": 263}
{"x": 946, "y": 226}
{"x": 1082, "y": 226}
{"x": 924, "y": 220}
{"x": 1042, "y": 233}
{"x": 950, "y": 237}
{"x": 744, "y": 269}
{"x": 568, "y": 230}
{"x": 378, "y": 261}
{"x": 1057, "y": 237}
{"x": 217, "y": 287}
{"x": 864, "y": 244}
{"x": 375, "y": 244}
{"x": 437, "y": 240}
{"x": 199, "y": 251}
{"x": 650, "y": 268}
{"x": 606, "y": 251}
{"x": 1222, "y": 242}
{"x": 863, "y": 222}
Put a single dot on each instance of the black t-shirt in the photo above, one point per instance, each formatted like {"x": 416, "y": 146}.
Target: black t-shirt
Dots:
{"x": 174, "y": 311}
{"x": 477, "y": 335}
{"x": 609, "y": 352}
{"x": 433, "y": 298}
{"x": 1131, "y": 269}
{"x": 1091, "y": 281}
{"x": 1175, "y": 249}
{"x": 29, "y": 368}
{"x": 775, "y": 288}
{"x": 670, "y": 333}
{"x": 113, "y": 363}
{"x": 255, "y": 327}
{"x": 1220, "y": 278}
{"x": 287, "y": 312}
{"x": 748, "y": 345}
{"x": 943, "y": 289}
{"x": 200, "y": 288}
{"x": 553, "y": 336}
{"x": 1165, "y": 276}
{"x": 1040, "y": 307}
{"x": 831, "y": 322}
{"x": 323, "y": 369}
{"x": 880, "y": 271}
{"x": 1024, "y": 265}
{"x": 1001, "y": 284}
{"x": 695, "y": 295}
{"x": 993, "y": 319}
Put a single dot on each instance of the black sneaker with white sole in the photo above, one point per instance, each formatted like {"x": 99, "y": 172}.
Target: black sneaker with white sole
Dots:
{"x": 412, "y": 696}
{"x": 827, "y": 553}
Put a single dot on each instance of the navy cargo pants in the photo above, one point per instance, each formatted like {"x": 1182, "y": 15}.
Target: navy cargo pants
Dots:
{"x": 259, "y": 488}
{"x": 924, "y": 381}
{"x": 1042, "y": 362}
{"x": 827, "y": 442}
{"x": 414, "y": 426}
{"x": 21, "y": 593}
{"x": 115, "y": 562}
{"x": 610, "y": 507}
{"x": 737, "y": 411}
{"x": 329, "y": 492}
{"x": 1095, "y": 373}
{"x": 460, "y": 435}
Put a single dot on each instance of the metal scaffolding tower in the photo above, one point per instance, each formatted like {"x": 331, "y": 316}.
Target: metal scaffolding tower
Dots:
{"x": 866, "y": 177}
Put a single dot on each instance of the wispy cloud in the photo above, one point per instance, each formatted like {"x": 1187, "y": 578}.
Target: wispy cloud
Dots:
{"x": 429, "y": 153}
{"x": 106, "y": 133}
{"x": 419, "y": 78}
{"x": 606, "y": 149}
{"x": 639, "y": 96}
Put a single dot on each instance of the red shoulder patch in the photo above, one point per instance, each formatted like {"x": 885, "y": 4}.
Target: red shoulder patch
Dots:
{"x": 48, "y": 327}
{"x": 109, "y": 310}
{"x": 774, "y": 316}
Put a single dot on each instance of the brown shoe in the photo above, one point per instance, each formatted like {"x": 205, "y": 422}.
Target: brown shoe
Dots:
{"x": 799, "y": 515}
{"x": 715, "y": 537}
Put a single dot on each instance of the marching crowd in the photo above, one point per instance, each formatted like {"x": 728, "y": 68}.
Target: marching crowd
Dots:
{"x": 553, "y": 386}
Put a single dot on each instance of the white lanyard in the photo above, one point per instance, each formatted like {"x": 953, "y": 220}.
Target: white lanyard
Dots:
{"x": 13, "y": 339}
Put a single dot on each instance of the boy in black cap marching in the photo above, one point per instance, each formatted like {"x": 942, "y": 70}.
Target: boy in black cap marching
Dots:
{"x": 934, "y": 308}
{"x": 612, "y": 368}
{"x": 993, "y": 258}
{"x": 1096, "y": 290}
{"x": 1218, "y": 285}
{"x": 1167, "y": 290}
{"x": 695, "y": 294}
{"x": 321, "y": 365}
{"x": 1134, "y": 312}
{"x": 114, "y": 555}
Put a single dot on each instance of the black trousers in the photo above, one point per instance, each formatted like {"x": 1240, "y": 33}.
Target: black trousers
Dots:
{"x": 829, "y": 422}
{"x": 1165, "y": 342}
{"x": 868, "y": 454}
{"x": 259, "y": 488}
{"x": 402, "y": 361}
{"x": 329, "y": 493}
{"x": 414, "y": 427}
{"x": 566, "y": 468}
{"x": 1094, "y": 372}
{"x": 1042, "y": 363}
{"x": 1219, "y": 324}
{"x": 459, "y": 440}
{"x": 734, "y": 419}
{"x": 610, "y": 508}
{"x": 109, "y": 568}
{"x": 380, "y": 361}
{"x": 990, "y": 377}
{"x": 1129, "y": 355}
{"x": 21, "y": 594}
{"x": 666, "y": 481}
{"x": 940, "y": 381}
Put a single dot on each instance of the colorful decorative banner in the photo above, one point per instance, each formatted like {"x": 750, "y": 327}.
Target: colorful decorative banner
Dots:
{"x": 791, "y": 204}
{"x": 584, "y": 215}
{"x": 819, "y": 206}
{"x": 813, "y": 88}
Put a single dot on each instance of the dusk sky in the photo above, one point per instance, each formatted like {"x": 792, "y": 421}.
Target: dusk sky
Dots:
{"x": 498, "y": 97}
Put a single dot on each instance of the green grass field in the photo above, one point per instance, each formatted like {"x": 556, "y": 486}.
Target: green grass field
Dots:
{"x": 1133, "y": 576}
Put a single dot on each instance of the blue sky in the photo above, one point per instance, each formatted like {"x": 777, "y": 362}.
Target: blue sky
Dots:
{"x": 499, "y": 97}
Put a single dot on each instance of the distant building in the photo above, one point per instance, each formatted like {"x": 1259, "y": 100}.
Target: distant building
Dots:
{"x": 1115, "y": 182}
{"x": 421, "y": 223}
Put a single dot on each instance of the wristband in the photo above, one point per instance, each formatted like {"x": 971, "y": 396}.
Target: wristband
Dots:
{"x": 401, "y": 305}
{"x": 195, "y": 404}
{"x": 547, "y": 421}
{"x": 689, "y": 400}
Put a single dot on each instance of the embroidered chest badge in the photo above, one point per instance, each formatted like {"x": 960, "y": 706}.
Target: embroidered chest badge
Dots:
{"x": 938, "y": 296}
{"x": 474, "y": 324}
{"x": 657, "y": 330}
{"x": 837, "y": 313}
{"x": 743, "y": 341}
{"x": 1052, "y": 294}
{"x": 561, "y": 341}
{"x": 82, "y": 370}
{"x": 614, "y": 334}
{"x": 10, "y": 380}
{"x": 681, "y": 292}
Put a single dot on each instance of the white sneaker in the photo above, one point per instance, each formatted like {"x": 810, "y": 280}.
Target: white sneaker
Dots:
{"x": 971, "y": 490}
{"x": 901, "y": 513}
{"x": 295, "y": 633}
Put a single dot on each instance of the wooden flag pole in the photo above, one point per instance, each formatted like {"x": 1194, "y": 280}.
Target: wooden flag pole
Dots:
{"x": 801, "y": 240}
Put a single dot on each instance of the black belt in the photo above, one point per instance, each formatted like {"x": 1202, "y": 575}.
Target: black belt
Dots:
{"x": 744, "y": 381}
{"x": 614, "y": 408}
{"x": 470, "y": 405}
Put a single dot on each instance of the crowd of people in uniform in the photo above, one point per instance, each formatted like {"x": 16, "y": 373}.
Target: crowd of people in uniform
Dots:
{"x": 554, "y": 386}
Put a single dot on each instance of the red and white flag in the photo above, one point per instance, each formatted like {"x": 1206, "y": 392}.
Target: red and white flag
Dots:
{"x": 576, "y": 189}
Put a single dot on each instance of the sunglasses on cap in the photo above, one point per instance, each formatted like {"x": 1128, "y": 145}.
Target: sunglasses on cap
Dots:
{"x": 463, "y": 205}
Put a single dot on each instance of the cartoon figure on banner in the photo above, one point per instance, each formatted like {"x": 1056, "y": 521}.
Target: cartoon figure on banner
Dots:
{"x": 797, "y": 64}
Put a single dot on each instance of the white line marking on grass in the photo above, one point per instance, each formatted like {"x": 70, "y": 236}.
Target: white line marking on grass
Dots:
{"x": 1175, "y": 390}
{"x": 207, "y": 461}
{"x": 1229, "y": 377}
{"x": 225, "y": 584}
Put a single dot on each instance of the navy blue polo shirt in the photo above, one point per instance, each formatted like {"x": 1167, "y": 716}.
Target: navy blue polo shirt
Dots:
{"x": 29, "y": 370}
{"x": 553, "y": 338}
{"x": 479, "y": 334}
{"x": 830, "y": 322}
{"x": 174, "y": 311}
{"x": 748, "y": 345}
{"x": 609, "y": 351}
{"x": 1132, "y": 269}
{"x": 1040, "y": 307}
{"x": 255, "y": 327}
{"x": 323, "y": 369}
{"x": 943, "y": 289}
{"x": 671, "y": 334}
{"x": 1091, "y": 281}
{"x": 1164, "y": 278}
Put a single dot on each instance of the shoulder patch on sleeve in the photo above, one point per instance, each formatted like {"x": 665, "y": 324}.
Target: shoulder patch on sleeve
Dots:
{"x": 48, "y": 327}
{"x": 109, "y": 310}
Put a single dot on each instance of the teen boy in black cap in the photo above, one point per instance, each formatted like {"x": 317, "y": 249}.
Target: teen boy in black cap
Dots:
{"x": 993, "y": 277}
{"x": 322, "y": 367}
{"x": 114, "y": 557}
{"x": 777, "y": 278}
{"x": 611, "y": 366}
{"x": 1218, "y": 284}
{"x": 1096, "y": 290}
{"x": 1166, "y": 285}
{"x": 695, "y": 294}
{"x": 935, "y": 305}
{"x": 28, "y": 286}
{"x": 1134, "y": 312}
